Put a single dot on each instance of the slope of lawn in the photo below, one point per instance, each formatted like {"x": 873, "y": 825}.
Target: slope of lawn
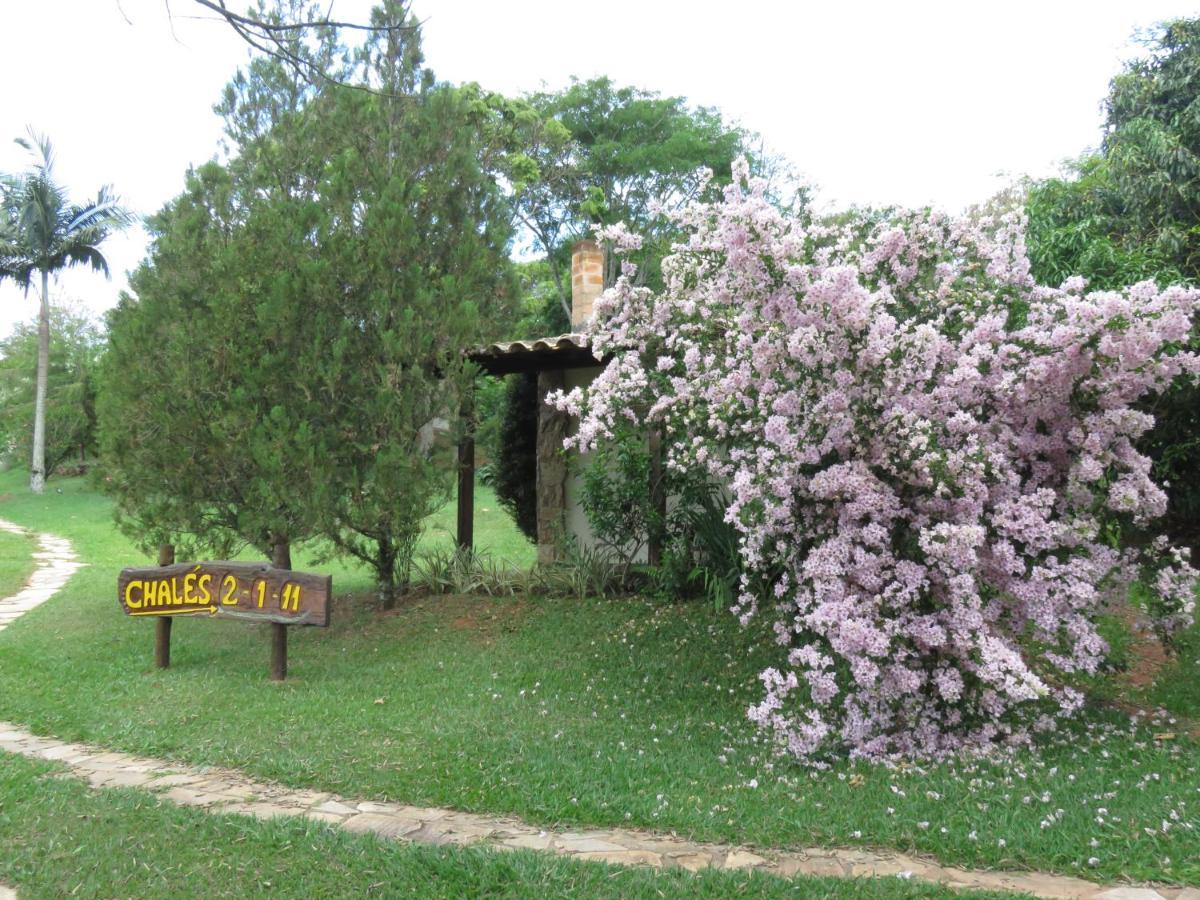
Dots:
{"x": 600, "y": 712}
{"x": 1177, "y": 689}
{"x": 59, "y": 838}
{"x": 15, "y": 562}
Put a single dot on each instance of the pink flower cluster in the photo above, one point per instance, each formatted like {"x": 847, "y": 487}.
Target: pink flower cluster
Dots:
{"x": 928, "y": 457}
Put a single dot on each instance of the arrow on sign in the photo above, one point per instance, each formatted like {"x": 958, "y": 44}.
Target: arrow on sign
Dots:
{"x": 211, "y": 610}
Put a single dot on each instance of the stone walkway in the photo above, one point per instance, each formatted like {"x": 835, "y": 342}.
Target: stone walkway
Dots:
{"x": 228, "y": 791}
{"x": 56, "y": 562}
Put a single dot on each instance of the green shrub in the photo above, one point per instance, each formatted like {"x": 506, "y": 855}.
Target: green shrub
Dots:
{"x": 514, "y": 470}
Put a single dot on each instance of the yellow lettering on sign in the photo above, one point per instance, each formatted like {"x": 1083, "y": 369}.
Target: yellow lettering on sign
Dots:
{"x": 189, "y": 582}
{"x": 174, "y": 593}
{"x": 205, "y": 593}
{"x": 229, "y": 585}
{"x": 290, "y": 597}
{"x": 129, "y": 595}
{"x": 150, "y": 594}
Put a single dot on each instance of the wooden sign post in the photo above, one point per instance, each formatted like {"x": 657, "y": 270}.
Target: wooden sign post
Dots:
{"x": 162, "y": 626}
{"x": 250, "y": 592}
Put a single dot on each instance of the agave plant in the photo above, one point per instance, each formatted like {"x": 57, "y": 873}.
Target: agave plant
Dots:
{"x": 42, "y": 233}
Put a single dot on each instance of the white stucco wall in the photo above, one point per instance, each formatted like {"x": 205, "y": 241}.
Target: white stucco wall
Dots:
{"x": 577, "y": 523}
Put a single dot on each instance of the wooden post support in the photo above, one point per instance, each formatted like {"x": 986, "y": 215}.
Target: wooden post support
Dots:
{"x": 278, "y": 652}
{"x": 466, "y": 474}
{"x": 281, "y": 558}
{"x": 162, "y": 626}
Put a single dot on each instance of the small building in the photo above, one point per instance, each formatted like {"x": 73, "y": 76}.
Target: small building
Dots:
{"x": 562, "y": 362}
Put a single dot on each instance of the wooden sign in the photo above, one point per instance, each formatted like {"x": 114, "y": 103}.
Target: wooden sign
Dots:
{"x": 253, "y": 592}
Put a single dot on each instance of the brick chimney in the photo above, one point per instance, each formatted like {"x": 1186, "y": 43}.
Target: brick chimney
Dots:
{"x": 587, "y": 280}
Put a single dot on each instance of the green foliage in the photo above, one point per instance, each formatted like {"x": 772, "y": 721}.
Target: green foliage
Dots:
{"x": 489, "y": 404}
{"x": 75, "y": 346}
{"x": 1152, "y": 144}
{"x": 700, "y": 555}
{"x": 615, "y": 494}
{"x": 700, "y": 549}
{"x": 514, "y": 468}
{"x": 42, "y": 233}
{"x": 582, "y": 573}
{"x": 1076, "y": 227}
{"x": 714, "y": 547}
{"x": 597, "y": 153}
{"x": 456, "y": 570}
{"x": 1129, "y": 213}
{"x": 506, "y": 408}
{"x": 432, "y": 245}
{"x": 193, "y": 407}
{"x": 541, "y": 314}
{"x": 294, "y": 349}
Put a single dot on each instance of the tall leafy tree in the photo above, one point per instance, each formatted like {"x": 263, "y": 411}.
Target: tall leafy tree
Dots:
{"x": 199, "y": 384}
{"x": 1130, "y": 210}
{"x": 76, "y": 343}
{"x": 42, "y": 233}
{"x": 416, "y": 243}
{"x": 304, "y": 312}
{"x": 598, "y": 153}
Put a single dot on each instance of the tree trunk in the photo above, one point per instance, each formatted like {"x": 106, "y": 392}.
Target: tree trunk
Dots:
{"x": 385, "y": 573}
{"x": 281, "y": 552}
{"x": 37, "y": 466}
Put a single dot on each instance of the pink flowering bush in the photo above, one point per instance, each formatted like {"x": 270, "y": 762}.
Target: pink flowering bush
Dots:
{"x": 930, "y": 460}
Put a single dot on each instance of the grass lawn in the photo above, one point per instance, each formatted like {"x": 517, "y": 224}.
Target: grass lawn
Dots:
{"x": 15, "y": 562}
{"x": 59, "y": 838}
{"x": 619, "y": 712}
{"x": 1178, "y": 688}
{"x": 495, "y": 532}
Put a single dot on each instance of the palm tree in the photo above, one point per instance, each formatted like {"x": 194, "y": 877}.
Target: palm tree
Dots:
{"x": 41, "y": 233}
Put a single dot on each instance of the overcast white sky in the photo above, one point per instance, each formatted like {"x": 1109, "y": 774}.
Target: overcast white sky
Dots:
{"x": 876, "y": 102}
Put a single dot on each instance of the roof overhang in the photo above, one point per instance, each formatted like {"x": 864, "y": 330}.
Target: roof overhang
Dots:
{"x": 567, "y": 351}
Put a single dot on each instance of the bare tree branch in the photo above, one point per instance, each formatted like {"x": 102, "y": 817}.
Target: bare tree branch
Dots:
{"x": 171, "y": 21}
{"x": 262, "y": 27}
{"x": 276, "y": 39}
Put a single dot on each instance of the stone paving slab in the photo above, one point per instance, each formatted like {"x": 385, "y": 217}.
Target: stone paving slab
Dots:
{"x": 229, "y": 791}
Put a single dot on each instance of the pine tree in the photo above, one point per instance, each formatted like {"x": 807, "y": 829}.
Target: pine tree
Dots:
{"x": 308, "y": 306}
